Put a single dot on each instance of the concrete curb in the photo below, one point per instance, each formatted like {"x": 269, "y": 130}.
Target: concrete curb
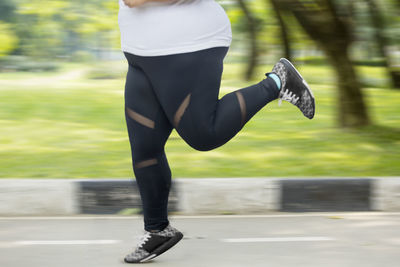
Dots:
{"x": 228, "y": 196}
{"x": 201, "y": 196}
{"x": 38, "y": 196}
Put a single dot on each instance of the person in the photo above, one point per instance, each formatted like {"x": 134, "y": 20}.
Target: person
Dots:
{"x": 175, "y": 51}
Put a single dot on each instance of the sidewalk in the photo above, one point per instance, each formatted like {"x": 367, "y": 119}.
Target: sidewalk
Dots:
{"x": 198, "y": 196}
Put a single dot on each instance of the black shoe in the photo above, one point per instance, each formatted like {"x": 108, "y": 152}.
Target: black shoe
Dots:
{"x": 152, "y": 245}
{"x": 294, "y": 88}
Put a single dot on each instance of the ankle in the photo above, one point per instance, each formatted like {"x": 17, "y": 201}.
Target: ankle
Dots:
{"x": 160, "y": 229}
{"x": 276, "y": 79}
{"x": 270, "y": 87}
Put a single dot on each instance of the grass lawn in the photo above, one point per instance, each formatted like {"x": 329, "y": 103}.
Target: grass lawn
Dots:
{"x": 65, "y": 125}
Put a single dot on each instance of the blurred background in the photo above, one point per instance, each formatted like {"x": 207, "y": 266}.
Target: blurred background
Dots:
{"x": 62, "y": 80}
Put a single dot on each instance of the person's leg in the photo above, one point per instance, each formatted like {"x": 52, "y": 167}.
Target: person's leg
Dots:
{"x": 187, "y": 86}
{"x": 148, "y": 130}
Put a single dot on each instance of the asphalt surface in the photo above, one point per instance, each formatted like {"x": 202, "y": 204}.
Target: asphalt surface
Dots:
{"x": 283, "y": 239}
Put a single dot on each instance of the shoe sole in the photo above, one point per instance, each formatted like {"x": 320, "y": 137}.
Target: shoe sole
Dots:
{"x": 161, "y": 249}
{"x": 285, "y": 61}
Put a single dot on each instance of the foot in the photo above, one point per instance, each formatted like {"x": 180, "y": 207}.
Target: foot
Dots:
{"x": 294, "y": 88}
{"x": 152, "y": 245}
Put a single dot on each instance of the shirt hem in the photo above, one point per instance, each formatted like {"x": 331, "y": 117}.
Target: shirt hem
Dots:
{"x": 174, "y": 50}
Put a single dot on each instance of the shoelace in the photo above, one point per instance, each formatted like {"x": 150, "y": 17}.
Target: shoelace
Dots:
{"x": 143, "y": 239}
{"x": 288, "y": 96}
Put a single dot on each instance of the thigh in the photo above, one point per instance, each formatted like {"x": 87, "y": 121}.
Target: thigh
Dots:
{"x": 148, "y": 126}
{"x": 187, "y": 81}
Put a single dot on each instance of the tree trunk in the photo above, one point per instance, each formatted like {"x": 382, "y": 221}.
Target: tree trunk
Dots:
{"x": 252, "y": 30}
{"x": 332, "y": 32}
{"x": 351, "y": 109}
{"x": 284, "y": 30}
{"x": 382, "y": 42}
{"x": 395, "y": 75}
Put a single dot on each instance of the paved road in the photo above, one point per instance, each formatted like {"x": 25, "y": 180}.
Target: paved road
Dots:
{"x": 277, "y": 240}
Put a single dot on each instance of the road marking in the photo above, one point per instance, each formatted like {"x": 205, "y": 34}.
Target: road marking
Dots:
{"x": 111, "y": 242}
{"x": 65, "y": 242}
{"x": 289, "y": 215}
{"x": 278, "y": 239}
{"x": 113, "y": 217}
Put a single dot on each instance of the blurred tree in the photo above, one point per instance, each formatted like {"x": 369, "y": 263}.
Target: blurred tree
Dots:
{"x": 41, "y": 34}
{"x": 252, "y": 30}
{"x": 8, "y": 40}
{"x": 329, "y": 24}
{"x": 382, "y": 41}
{"x": 59, "y": 28}
{"x": 283, "y": 29}
{"x": 7, "y": 10}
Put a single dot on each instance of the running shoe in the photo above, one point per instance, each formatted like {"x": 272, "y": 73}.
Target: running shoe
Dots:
{"x": 152, "y": 245}
{"x": 294, "y": 88}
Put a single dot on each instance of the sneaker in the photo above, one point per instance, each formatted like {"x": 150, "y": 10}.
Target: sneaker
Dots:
{"x": 294, "y": 88}
{"x": 152, "y": 245}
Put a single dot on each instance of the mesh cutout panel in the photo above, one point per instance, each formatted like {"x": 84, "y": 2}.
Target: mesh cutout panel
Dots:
{"x": 181, "y": 110}
{"x": 140, "y": 118}
{"x": 146, "y": 163}
{"x": 242, "y": 105}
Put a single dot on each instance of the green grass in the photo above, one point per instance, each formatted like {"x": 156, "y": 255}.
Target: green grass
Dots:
{"x": 69, "y": 126}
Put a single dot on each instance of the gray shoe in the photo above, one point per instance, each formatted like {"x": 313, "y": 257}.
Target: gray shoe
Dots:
{"x": 294, "y": 88}
{"x": 152, "y": 245}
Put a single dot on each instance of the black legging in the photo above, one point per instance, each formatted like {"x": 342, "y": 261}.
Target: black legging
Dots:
{"x": 181, "y": 91}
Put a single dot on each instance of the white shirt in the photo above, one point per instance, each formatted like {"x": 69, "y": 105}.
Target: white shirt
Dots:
{"x": 178, "y": 26}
